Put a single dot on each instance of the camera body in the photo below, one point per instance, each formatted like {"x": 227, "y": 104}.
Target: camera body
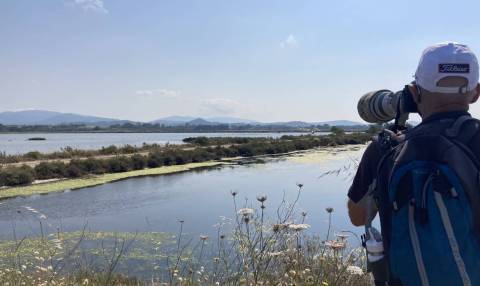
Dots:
{"x": 384, "y": 105}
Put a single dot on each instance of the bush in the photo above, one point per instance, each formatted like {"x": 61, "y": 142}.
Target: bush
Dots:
{"x": 128, "y": 149}
{"x": 138, "y": 162}
{"x": 112, "y": 149}
{"x": 154, "y": 160}
{"x": 93, "y": 166}
{"x": 73, "y": 171}
{"x": 33, "y": 155}
{"x": 14, "y": 176}
{"x": 337, "y": 130}
{"x": 50, "y": 170}
{"x": 118, "y": 164}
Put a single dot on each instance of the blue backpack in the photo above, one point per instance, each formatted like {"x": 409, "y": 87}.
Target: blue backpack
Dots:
{"x": 429, "y": 205}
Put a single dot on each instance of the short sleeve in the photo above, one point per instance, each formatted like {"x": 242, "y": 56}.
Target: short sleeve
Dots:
{"x": 366, "y": 172}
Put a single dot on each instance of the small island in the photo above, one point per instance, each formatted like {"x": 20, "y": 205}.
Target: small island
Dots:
{"x": 37, "y": 139}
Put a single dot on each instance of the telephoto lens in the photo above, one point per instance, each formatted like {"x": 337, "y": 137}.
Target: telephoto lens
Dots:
{"x": 379, "y": 106}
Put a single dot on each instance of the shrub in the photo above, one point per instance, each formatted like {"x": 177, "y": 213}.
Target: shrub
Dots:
{"x": 93, "y": 166}
{"x": 138, "y": 162}
{"x": 128, "y": 149}
{"x": 112, "y": 149}
{"x": 50, "y": 170}
{"x": 33, "y": 155}
{"x": 118, "y": 164}
{"x": 14, "y": 176}
{"x": 73, "y": 171}
{"x": 154, "y": 160}
{"x": 337, "y": 130}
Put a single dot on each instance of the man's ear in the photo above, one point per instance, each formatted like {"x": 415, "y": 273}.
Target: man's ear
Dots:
{"x": 477, "y": 94}
{"x": 414, "y": 91}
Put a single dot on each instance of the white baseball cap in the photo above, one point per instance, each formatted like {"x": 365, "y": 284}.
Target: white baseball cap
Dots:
{"x": 443, "y": 60}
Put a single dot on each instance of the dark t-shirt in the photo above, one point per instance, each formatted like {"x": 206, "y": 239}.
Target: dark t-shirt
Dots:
{"x": 367, "y": 169}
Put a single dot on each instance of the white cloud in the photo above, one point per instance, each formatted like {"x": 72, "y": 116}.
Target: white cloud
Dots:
{"x": 158, "y": 92}
{"x": 90, "y": 5}
{"x": 223, "y": 106}
{"x": 289, "y": 42}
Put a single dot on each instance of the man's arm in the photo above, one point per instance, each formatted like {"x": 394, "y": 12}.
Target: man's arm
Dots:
{"x": 356, "y": 213}
{"x": 358, "y": 202}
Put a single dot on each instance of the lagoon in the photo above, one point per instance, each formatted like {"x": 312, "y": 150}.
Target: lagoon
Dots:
{"x": 200, "y": 198}
{"x": 18, "y": 143}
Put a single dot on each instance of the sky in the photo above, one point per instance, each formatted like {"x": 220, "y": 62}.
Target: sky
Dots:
{"x": 261, "y": 60}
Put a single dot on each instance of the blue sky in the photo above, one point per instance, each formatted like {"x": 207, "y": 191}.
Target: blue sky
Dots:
{"x": 263, "y": 60}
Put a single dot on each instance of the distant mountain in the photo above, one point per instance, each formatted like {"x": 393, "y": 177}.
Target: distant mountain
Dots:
{"x": 298, "y": 124}
{"x": 302, "y": 124}
{"x": 231, "y": 120}
{"x": 340, "y": 123}
{"x": 44, "y": 117}
{"x": 181, "y": 120}
{"x": 200, "y": 122}
{"x": 176, "y": 119}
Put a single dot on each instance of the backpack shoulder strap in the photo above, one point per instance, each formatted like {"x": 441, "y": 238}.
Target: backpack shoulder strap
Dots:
{"x": 457, "y": 127}
{"x": 461, "y": 132}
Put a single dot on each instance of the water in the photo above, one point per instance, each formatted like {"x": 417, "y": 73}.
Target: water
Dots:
{"x": 18, "y": 143}
{"x": 199, "y": 198}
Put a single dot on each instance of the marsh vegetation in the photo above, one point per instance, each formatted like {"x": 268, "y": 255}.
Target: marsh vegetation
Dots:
{"x": 247, "y": 249}
{"x": 114, "y": 159}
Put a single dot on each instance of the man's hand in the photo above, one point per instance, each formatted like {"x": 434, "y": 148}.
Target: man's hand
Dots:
{"x": 356, "y": 213}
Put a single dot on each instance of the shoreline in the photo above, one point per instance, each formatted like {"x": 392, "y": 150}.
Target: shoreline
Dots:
{"x": 81, "y": 183}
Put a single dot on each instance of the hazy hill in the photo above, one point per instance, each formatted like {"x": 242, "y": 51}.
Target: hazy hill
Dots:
{"x": 44, "y": 117}
{"x": 180, "y": 120}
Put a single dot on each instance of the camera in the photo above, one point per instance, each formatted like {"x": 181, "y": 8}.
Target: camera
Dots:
{"x": 384, "y": 105}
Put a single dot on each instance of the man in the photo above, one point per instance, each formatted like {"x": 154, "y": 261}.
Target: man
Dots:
{"x": 446, "y": 83}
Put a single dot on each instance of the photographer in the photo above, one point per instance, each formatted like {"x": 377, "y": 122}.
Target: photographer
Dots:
{"x": 424, "y": 182}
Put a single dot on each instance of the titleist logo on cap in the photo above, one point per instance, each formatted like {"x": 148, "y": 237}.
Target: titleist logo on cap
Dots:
{"x": 453, "y": 68}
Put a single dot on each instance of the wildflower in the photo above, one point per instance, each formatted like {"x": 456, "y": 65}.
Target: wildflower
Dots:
{"x": 324, "y": 283}
{"x": 222, "y": 236}
{"x": 279, "y": 226}
{"x": 304, "y": 213}
{"x": 245, "y": 211}
{"x": 329, "y": 210}
{"x": 335, "y": 245}
{"x": 298, "y": 227}
{"x": 181, "y": 221}
{"x": 299, "y": 185}
{"x": 262, "y": 198}
{"x": 354, "y": 270}
{"x": 203, "y": 237}
{"x": 233, "y": 193}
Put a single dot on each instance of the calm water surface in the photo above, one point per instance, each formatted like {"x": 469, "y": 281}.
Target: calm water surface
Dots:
{"x": 199, "y": 198}
{"x": 18, "y": 143}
